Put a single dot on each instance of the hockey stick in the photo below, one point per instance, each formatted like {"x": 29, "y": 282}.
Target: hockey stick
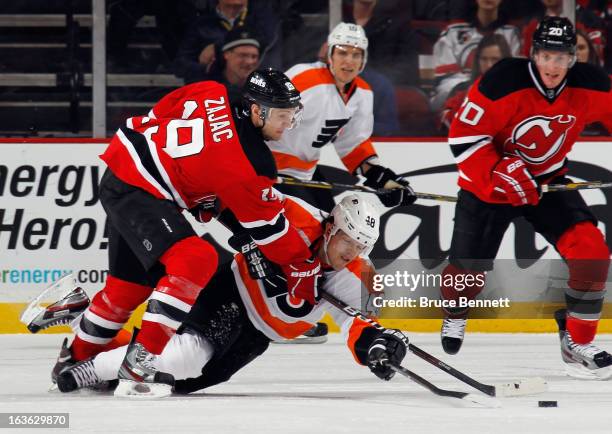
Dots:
{"x": 351, "y": 187}
{"x": 522, "y": 387}
{"x": 482, "y": 400}
{"x": 575, "y": 186}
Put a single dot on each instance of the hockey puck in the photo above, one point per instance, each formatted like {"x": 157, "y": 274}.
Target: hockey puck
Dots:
{"x": 547, "y": 403}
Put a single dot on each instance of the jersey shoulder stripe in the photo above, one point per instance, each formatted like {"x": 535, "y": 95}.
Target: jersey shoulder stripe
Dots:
{"x": 311, "y": 75}
{"x": 363, "y": 270}
{"x": 505, "y": 77}
{"x": 590, "y": 77}
{"x": 362, "y": 84}
{"x": 456, "y": 26}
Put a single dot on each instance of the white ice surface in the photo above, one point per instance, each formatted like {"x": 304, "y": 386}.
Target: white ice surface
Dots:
{"x": 320, "y": 389}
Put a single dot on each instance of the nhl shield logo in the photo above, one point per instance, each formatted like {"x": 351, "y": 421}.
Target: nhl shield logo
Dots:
{"x": 538, "y": 138}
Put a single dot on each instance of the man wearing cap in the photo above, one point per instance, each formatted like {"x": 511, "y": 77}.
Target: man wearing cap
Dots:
{"x": 204, "y": 38}
{"x": 238, "y": 57}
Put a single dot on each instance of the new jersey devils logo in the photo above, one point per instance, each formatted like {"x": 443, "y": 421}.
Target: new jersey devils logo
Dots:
{"x": 539, "y": 138}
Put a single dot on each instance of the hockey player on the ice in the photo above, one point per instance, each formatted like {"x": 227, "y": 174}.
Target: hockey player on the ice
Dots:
{"x": 513, "y": 134}
{"x": 236, "y": 317}
{"x": 192, "y": 148}
{"x": 338, "y": 109}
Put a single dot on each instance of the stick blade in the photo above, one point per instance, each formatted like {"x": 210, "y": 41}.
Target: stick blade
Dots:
{"x": 523, "y": 387}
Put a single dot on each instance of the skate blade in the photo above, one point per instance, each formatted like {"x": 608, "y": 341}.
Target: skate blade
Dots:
{"x": 136, "y": 390}
{"x": 304, "y": 340}
{"x": 56, "y": 291}
{"x": 580, "y": 372}
{"x": 526, "y": 386}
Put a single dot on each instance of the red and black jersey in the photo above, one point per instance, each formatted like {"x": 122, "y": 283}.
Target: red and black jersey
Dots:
{"x": 191, "y": 147}
{"x": 509, "y": 112}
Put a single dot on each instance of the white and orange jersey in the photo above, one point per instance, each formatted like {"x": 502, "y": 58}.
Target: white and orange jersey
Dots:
{"x": 454, "y": 54}
{"x": 327, "y": 117}
{"x": 278, "y": 315}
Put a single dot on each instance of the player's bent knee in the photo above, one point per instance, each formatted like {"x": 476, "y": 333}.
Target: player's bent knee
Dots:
{"x": 121, "y": 292}
{"x": 192, "y": 259}
{"x": 119, "y": 298}
{"x": 588, "y": 258}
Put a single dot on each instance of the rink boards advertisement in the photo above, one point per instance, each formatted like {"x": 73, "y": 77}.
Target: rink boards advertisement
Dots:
{"x": 52, "y": 223}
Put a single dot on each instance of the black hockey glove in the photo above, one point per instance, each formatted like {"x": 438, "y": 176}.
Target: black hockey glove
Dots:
{"x": 381, "y": 177}
{"x": 390, "y": 347}
{"x": 259, "y": 266}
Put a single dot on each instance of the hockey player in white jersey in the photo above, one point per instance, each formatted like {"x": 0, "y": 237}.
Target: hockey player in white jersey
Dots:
{"x": 235, "y": 319}
{"x": 338, "y": 109}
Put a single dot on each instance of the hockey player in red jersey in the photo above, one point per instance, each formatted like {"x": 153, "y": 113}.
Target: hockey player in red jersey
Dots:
{"x": 191, "y": 150}
{"x": 235, "y": 319}
{"x": 338, "y": 110}
{"x": 512, "y": 135}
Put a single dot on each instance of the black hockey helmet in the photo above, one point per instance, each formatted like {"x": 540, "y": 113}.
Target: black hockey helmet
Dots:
{"x": 555, "y": 33}
{"x": 270, "y": 88}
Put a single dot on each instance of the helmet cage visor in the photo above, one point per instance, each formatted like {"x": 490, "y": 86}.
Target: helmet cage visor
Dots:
{"x": 289, "y": 117}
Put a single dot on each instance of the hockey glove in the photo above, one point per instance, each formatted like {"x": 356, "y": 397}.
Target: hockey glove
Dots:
{"x": 259, "y": 266}
{"x": 512, "y": 177}
{"x": 206, "y": 210}
{"x": 389, "y": 347}
{"x": 381, "y": 177}
{"x": 303, "y": 279}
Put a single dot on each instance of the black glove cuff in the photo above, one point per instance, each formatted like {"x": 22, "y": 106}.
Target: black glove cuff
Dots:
{"x": 377, "y": 176}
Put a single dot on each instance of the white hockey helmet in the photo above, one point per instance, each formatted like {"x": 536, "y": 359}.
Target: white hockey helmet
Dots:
{"x": 358, "y": 219}
{"x": 348, "y": 34}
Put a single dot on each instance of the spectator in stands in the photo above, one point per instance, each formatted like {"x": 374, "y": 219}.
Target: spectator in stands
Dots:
{"x": 585, "y": 50}
{"x": 586, "y": 20}
{"x": 385, "y": 105}
{"x": 460, "y": 10}
{"x": 431, "y": 10}
{"x": 202, "y": 40}
{"x": 392, "y": 43}
{"x": 171, "y": 18}
{"x": 490, "y": 50}
{"x": 237, "y": 58}
{"x": 454, "y": 50}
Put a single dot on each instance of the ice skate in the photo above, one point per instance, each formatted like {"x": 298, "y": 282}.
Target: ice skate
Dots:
{"x": 79, "y": 375}
{"x": 138, "y": 377}
{"x": 64, "y": 360}
{"x": 452, "y": 333}
{"x": 67, "y": 300}
{"x": 587, "y": 362}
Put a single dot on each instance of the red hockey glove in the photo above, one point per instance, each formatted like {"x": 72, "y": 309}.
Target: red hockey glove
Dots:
{"x": 303, "y": 279}
{"x": 206, "y": 210}
{"x": 511, "y": 176}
